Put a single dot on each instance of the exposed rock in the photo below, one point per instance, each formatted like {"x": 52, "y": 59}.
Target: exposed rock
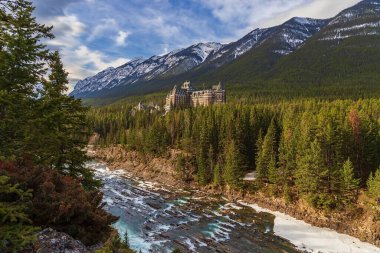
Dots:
{"x": 51, "y": 241}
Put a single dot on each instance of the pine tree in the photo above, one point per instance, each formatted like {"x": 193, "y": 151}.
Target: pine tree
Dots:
{"x": 273, "y": 175}
{"x": 373, "y": 185}
{"x": 309, "y": 172}
{"x": 233, "y": 173}
{"x": 16, "y": 230}
{"x": 349, "y": 184}
{"x": 203, "y": 160}
{"x": 61, "y": 136}
{"x": 267, "y": 153}
{"x": 23, "y": 57}
{"x": 217, "y": 179}
{"x": 287, "y": 153}
{"x": 202, "y": 165}
{"x": 259, "y": 156}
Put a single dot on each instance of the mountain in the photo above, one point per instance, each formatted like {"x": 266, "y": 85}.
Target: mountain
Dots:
{"x": 267, "y": 46}
{"x": 140, "y": 70}
{"x": 343, "y": 52}
{"x": 284, "y": 38}
{"x": 200, "y": 58}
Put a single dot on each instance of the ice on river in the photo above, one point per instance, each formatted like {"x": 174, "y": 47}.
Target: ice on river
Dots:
{"x": 314, "y": 239}
{"x": 158, "y": 224}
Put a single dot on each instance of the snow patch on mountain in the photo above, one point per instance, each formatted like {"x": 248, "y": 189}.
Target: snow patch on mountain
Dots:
{"x": 144, "y": 70}
{"x": 362, "y": 19}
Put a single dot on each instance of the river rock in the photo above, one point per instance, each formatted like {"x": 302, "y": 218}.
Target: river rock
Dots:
{"x": 51, "y": 241}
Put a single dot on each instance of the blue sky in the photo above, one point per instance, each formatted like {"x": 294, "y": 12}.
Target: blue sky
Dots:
{"x": 95, "y": 34}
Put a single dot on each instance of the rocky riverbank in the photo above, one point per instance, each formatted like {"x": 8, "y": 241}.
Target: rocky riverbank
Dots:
{"x": 359, "y": 223}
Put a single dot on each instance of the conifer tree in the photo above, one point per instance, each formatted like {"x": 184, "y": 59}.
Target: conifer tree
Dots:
{"x": 22, "y": 64}
{"x": 349, "y": 184}
{"x": 267, "y": 153}
{"x": 233, "y": 173}
{"x": 202, "y": 156}
{"x": 373, "y": 185}
{"x": 202, "y": 165}
{"x": 309, "y": 171}
{"x": 217, "y": 179}
{"x": 61, "y": 136}
{"x": 259, "y": 151}
{"x": 16, "y": 230}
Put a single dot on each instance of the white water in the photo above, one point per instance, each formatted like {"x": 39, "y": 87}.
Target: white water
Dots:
{"x": 304, "y": 236}
{"x": 313, "y": 239}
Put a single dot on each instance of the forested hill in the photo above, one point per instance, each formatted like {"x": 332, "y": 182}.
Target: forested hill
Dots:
{"x": 336, "y": 57}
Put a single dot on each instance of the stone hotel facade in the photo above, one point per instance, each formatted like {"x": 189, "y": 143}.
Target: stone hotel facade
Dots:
{"x": 188, "y": 96}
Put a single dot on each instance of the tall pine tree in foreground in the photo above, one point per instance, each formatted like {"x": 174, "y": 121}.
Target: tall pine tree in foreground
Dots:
{"x": 45, "y": 129}
{"x": 23, "y": 57}
{"x": 61, "y": 136}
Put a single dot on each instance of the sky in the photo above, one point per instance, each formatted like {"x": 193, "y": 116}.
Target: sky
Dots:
{"x": 93, "y": 35}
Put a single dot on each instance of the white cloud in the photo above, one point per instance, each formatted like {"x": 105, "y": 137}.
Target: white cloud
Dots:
{"x": 106, "y": 25}
{"x": 315, "y": 9}
{"x": 78, "y": 59}
{"x": 67, "y": 30}
{"x": 97, "y": 59}
{"x": 82, "y": 62}
{"x": 121, "y": 38}
{"x": 246, "y": 15}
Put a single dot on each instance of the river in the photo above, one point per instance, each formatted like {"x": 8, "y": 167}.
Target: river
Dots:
{"x": 161, "y": 219}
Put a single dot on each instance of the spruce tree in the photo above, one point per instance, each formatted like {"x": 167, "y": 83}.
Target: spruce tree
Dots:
{"x": 233, "y": 172}
{"x": 273, "y": 175}
{"x": 259, "y": 151}
{"x": 60, "y": 139}
{"x": 373, "y": 185}
{"x": 23, "y": 57}
{"x": 349, "y": 184}
{"x": 268, "y": 152}
{"x": 16, "y": 231}
{"x": 309, "y": 172}
{"x": 217, "y": 177}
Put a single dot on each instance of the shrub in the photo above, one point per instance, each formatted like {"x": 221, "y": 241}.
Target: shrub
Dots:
{"x": 60, "y": 202}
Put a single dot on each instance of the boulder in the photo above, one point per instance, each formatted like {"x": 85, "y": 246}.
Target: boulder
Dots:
{"x": 51, "y": 241}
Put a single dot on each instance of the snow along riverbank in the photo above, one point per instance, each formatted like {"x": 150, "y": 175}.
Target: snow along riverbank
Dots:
{"x": 313, "y": 239}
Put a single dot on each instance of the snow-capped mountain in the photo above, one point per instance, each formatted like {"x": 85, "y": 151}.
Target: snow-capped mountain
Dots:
{"x": 300, "y": 46}
{"x": 139, "y": 69}
{"x": 287, "y": 37}
{"x": 291, "y": 34}
{"x": 362, "y": 19}
{"x": 345, "y": 52}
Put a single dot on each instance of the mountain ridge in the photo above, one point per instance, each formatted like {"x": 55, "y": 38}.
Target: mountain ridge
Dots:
{"x": 271, "y": 55}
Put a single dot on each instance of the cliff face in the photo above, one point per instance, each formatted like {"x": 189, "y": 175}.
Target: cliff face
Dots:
{"x": 359, "y": 222}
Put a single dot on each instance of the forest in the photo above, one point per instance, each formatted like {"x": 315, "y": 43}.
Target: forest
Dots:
{"x": 44, "y": 182}
{"x": 324, "y": 152}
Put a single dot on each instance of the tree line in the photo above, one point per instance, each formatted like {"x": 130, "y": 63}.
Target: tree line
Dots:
{"x": 320, "y": 151}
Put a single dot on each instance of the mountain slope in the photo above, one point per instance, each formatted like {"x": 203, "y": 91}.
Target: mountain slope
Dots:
{"x": 268, "y": 45}
{"x": 346, "y": 51}
{"x": 277, "y": 42}
{"x": 342, "y": 53}
{"x": 140, "y": 70}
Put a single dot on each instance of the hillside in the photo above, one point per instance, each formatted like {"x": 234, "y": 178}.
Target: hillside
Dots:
{"x": 144, "y": 76}
{"x": 338, "y": 57}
